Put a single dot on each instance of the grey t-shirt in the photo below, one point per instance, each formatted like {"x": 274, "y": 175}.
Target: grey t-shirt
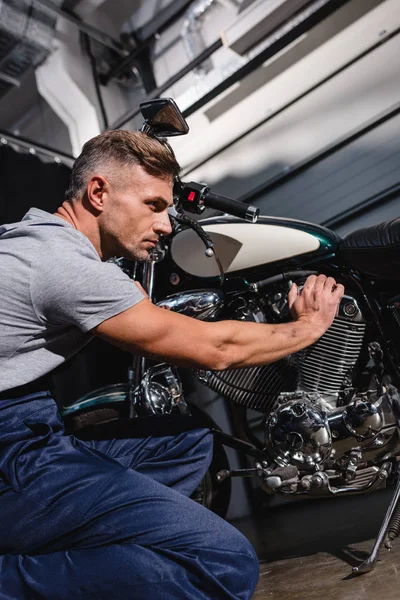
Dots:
{"x": 53, "y": 290}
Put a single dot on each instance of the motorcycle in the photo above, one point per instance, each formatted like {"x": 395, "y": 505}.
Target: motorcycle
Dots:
{"x": 329, "y": 415}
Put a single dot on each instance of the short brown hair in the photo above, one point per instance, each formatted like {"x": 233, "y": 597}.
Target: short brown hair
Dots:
{"x": 119, "y": 147}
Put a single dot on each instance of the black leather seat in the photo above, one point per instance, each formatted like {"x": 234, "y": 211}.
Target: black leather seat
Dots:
{"x": 374, "y": 250}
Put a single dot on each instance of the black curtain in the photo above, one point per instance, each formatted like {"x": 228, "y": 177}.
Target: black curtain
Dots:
{"x": 26, "y": 181}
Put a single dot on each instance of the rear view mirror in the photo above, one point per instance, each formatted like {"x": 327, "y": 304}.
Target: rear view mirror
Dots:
{"x": 163, "y": 118}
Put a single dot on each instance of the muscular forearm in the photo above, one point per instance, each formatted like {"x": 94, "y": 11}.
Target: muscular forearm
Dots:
{"x": 219, "y": 346}
{"x": 152, "y": 331}
{"x": 250, "y": 344}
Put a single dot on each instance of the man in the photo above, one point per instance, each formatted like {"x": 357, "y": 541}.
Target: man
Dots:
{"x": 112, "y": 519}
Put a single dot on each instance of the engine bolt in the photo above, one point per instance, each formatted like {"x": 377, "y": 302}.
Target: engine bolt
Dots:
{"x": 317, "y": 481}
{"x": 350, "y": 309}
{"x": 174, "y": 278}
{"x": 298, "y": 409}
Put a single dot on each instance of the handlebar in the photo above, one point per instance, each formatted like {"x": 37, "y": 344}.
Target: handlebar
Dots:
{"x": 195, "y": 197}
{"x": 233, "y": 207}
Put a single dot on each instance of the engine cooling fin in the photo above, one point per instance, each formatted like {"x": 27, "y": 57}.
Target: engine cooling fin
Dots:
{"x": 324, "y": 366}
{"x": 257, "y": 388}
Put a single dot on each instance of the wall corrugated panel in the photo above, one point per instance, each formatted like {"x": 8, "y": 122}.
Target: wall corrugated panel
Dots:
{"x": 383, "y": 212}
{"x": 362, "y": 169}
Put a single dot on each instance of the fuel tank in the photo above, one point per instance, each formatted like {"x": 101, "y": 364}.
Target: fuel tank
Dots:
{"x": 240, "y": 245}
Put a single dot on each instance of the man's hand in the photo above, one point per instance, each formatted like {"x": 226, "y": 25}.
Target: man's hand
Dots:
{"x": 317, "y": 303}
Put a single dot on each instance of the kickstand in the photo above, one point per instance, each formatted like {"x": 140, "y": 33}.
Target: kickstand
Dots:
{"x": 370, "y": 562}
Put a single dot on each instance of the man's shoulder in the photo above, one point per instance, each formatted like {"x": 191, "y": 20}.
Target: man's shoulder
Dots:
{"x": 40, "y": 223}
{"x": 34, "y": 217}
{"x": 50, "y": 235}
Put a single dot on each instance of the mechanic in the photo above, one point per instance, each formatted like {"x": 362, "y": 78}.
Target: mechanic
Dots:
{"x": 113, "y": 518}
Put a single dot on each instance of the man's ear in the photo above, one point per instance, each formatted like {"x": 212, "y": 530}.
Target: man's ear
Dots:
{"x": 97, "y": 190}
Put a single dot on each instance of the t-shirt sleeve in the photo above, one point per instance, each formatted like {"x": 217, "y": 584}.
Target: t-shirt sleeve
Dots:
{"x": 73, "y": 286}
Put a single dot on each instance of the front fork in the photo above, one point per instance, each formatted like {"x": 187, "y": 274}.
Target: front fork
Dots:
{"x": 154, "y": 390}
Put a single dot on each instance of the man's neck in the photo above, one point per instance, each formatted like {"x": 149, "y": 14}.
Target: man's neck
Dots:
{"x": 66, "y": 212}
{"x": 82, "y": 222}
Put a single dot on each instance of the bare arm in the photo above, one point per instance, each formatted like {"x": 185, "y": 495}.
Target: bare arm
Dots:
{"x": 152, "y": 331}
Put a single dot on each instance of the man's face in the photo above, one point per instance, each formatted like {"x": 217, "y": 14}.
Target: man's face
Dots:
{"x": 135, "y": 214}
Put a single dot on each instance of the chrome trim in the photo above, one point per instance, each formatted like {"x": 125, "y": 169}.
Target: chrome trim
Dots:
{"x": 117, "y": 392}
{"x": 252, "y": 214}
{"x": 160, "y": 397}
{"x": 204, "y": 305}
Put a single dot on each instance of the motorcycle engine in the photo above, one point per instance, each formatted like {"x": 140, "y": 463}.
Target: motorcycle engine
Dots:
{"x": 325, "y": 368}
{"x": 336, "y": 437}
{"x": 302, "y": 434}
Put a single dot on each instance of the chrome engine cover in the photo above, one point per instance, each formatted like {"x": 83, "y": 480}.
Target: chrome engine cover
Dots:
{"x": 363, "y": 419}
{"x": 298, "y": 434}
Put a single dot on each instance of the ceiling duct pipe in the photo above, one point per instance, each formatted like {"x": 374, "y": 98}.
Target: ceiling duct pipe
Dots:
{"x": 26, "y": 35}
{"x": 191, "y": 31}
{"x": 54, "y": 7}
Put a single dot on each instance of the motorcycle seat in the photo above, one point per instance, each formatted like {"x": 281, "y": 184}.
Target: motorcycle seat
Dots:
{"x": 374, "y": 250}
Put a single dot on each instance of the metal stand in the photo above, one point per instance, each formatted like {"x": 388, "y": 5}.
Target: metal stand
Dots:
{"x": 370, "y": 562}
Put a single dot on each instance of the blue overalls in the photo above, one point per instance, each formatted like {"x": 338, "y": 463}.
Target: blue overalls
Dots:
{"x": 96, "y": 520}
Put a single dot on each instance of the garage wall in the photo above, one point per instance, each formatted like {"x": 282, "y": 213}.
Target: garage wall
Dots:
{"x": 359, "y": 102}
{"x": 383, "y": 212}
{"x": 346, "y": 178}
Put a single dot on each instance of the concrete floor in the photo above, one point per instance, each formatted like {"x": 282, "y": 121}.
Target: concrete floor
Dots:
{"x": 307, "y": 549}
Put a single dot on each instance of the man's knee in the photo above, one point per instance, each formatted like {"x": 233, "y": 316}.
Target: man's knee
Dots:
{"x": 203, "y": 442}
{"x": 229, "y": 555}
{"x": 251, "y": 567}
{"x": 237, "y": 543}
{"x": 235, "y": 565}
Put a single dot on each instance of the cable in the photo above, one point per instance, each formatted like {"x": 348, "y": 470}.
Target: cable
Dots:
{"x": 86, "y": 43}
